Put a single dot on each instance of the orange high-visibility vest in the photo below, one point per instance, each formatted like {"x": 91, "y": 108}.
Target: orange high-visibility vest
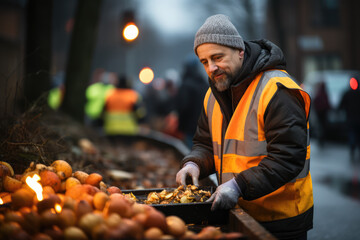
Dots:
{"x": 244, "y": 146}
{"x": 119, "y": 115}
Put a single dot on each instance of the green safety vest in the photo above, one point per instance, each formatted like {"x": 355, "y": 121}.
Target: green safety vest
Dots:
{"x": 95, "y": 95}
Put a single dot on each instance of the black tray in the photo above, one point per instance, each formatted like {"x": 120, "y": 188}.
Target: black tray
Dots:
{"x": 191, "y": 213}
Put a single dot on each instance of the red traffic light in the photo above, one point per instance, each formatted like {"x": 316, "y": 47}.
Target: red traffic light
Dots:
{"x": 354, "y": 84}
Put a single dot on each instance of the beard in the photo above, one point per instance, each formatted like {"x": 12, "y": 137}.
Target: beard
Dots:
{"x": 222, "y": 83}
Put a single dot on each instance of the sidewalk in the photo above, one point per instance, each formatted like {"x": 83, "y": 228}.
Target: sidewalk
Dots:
{"x": 336, "y": 215}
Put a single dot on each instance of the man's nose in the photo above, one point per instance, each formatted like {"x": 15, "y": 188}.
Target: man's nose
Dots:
{"x": 213, "y": 67}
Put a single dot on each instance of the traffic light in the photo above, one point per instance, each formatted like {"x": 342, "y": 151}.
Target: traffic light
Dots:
{"x": 129, "y": 30}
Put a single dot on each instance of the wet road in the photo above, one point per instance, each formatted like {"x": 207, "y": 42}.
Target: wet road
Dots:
{"x": 336, "y": 193}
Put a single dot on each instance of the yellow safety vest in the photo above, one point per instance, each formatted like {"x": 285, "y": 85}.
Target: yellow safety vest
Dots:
{"x": 244, "y": 146}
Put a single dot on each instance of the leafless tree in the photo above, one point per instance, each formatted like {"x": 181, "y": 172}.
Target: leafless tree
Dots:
{"x": 80, "y": 57}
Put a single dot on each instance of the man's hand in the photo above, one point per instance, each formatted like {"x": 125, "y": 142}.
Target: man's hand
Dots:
{"x": 191, "y": 169}
{"x": 226, "y": 195}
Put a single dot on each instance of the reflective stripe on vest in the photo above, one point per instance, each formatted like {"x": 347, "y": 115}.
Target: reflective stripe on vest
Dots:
{"x": 244, "y": 146}
{"x": 117, "y": 123}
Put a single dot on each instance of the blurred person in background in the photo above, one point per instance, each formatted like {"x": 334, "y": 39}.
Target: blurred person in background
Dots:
{"x": 322, "y": 107}
{"x": 160, "y": 99}
{"x": 350, "y": 103}
{"x": 101, "y": 84}
{"x": 189, "y": 99}
{"x": 170, "y": 91}
{"x": 253, "y": 131}
{"x": 153, "y": 103}
{"x": 168, "y": 105}
{"x": 123, "y": 111}
{"x": 56, "y": 96}
{"x": 56, "y": 93}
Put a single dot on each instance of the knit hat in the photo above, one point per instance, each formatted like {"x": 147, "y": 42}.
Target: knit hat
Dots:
{"x": 218, "y": 29}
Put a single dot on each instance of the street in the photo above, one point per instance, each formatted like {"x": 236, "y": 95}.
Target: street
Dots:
{"x": 336, "y": 193}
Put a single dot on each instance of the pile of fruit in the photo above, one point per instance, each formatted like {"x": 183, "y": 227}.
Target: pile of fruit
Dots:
{"x": 55, "y": 202}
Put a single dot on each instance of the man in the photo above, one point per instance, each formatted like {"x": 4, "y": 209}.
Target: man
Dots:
{"x": 102, "y": 83}
{"x": 253, "y": 131}
{"x": 350, "y": 104}
{"x": 189, "y": 99}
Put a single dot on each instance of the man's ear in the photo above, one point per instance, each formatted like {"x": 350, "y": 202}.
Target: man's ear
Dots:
{"x": 241, "y": 53}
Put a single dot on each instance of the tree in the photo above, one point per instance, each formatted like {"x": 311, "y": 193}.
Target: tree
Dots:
{"x": 275, "y": 9}
{"x": 80, "y": 57}
{"x": 38, "y": 50}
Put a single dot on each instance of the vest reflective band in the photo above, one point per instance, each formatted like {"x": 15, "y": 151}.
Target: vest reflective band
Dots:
{"x": 242, "y": 145}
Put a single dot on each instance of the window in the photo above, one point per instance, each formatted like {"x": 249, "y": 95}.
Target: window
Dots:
{"x": 325, "y": 13}
{"x": 321, "y": 62}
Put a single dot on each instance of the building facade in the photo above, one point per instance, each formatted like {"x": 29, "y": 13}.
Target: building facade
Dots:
{"x": 316, "y": 34}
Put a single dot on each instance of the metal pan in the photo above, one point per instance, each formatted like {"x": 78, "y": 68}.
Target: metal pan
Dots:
{"x": 191, "y": 213}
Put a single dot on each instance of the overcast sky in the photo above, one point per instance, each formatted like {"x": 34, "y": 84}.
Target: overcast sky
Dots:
{"x": 186, "y": 16}
{"x": 171, "y": 17}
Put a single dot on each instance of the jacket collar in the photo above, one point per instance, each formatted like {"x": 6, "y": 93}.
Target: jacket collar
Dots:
{"x": 260, "y": 55}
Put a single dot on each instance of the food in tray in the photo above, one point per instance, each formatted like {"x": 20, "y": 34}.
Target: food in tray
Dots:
{"x": 182, "y": 194}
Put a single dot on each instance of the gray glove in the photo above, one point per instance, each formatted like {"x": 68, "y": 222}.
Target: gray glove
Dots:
{"x": 190, "y": 168}
{"x": 225, "y": 196}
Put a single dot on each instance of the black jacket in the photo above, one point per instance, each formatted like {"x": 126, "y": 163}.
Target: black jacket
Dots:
{"x": 189, "y": 99}
{"x": 285, "y": 130}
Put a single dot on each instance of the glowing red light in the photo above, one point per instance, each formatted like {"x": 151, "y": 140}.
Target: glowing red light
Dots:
{"x": 354, "y": 83}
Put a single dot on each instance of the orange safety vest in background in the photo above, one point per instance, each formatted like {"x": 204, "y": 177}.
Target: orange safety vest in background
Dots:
{"x": 244, "y": 146}
{"x": 119, "y": 116}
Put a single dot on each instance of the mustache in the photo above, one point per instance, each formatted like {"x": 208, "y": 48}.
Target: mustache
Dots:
{"x": 217, "y": 72}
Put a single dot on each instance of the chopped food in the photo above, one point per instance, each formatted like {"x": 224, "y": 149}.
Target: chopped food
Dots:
{"x": 187, "y": 194}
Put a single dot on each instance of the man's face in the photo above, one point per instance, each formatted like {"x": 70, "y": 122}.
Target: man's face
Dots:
{"x": 222, "y": 64}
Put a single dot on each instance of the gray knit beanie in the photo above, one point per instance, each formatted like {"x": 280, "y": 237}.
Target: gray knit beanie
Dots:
{"x": 218, "y": 29}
